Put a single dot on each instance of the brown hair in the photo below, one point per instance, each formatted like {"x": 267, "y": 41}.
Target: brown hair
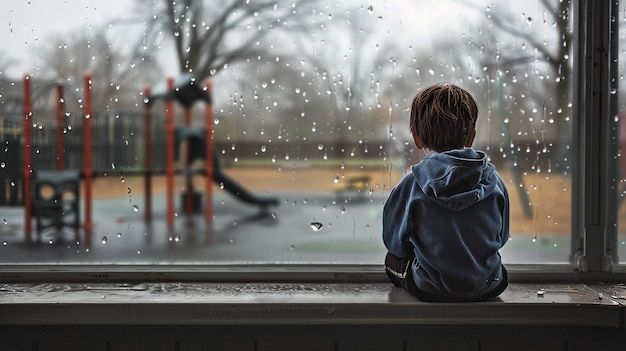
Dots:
{"x": 444, "y": 117}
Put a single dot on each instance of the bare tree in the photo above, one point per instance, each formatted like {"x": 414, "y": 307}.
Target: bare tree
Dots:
{"x": 357, "y": 73}
{"x": 210, "y": 35}
{"x": 117, "y": 76}
{"x": 551, "y": 50}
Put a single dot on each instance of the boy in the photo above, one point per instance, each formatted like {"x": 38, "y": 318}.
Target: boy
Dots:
{"x": 445, "y": 221}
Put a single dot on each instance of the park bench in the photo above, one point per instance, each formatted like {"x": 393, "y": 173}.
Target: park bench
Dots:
{"x": 358, "y": 184}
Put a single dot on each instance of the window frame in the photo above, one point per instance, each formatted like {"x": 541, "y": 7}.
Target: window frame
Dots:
{"x": 593, "y": 198}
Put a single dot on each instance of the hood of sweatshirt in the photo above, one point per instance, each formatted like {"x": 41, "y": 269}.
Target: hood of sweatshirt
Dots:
{"x": 455, "y": 179}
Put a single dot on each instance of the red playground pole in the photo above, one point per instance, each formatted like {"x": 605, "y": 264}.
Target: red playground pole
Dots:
{"x": 87, "y": 157}
{"x": 169, "y": 167}
{"x": 27, "y": 126}
{"x": 208, "y": 125}
{"x": 60, "y": 113}
{"x": 188, "y": 181}
{"x": 147, "y": 161}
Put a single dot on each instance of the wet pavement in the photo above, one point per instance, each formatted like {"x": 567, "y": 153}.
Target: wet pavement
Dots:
{"x": 304, "y": 228}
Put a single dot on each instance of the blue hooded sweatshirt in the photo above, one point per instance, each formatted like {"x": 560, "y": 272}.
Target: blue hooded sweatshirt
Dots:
{"x": 452, "y": 213}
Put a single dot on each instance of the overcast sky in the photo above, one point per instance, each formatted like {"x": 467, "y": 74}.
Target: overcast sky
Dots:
{"x": 27, "y": 23}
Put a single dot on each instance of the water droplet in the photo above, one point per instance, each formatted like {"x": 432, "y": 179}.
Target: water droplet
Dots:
{"x": 135, "y": 208}
{"x": 5, "y": 221}
{"x": 104, "y": 240}
{"x": 316, "y": 226}
{"x": 343, "y": 209}
{"x": 138, "y": 252}
{"x": 336, "y": 180}
{"x": 291, "y": 247}
{"x": 119, "y": 235}
{"x": 5, "y": 243}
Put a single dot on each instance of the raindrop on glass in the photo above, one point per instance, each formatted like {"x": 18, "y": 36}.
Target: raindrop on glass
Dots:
{"x": 104, "y": 240}
{"x": 316, "y": 226}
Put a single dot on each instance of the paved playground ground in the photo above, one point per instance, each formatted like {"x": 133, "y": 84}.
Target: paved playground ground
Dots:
{"x": 311, "y": 224}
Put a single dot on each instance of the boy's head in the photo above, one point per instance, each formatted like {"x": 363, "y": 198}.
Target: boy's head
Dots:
{"x": 443, "y": 117}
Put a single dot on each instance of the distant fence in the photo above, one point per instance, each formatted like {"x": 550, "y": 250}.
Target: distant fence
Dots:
{"x": 118, "y": 149}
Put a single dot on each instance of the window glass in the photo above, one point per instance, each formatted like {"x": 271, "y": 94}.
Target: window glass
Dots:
{"x": 617, "y": 236}
{"x": 307, "y": 103}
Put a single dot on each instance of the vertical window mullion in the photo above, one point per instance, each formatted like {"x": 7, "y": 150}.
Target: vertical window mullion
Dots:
{"x": 594, "y": 131}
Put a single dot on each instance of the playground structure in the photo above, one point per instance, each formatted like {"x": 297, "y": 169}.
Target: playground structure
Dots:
{"x": 52, "y": 197}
